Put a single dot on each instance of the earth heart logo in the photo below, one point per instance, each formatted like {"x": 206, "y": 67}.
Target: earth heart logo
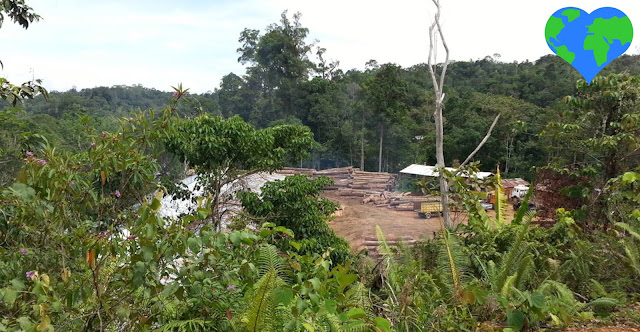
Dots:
{"x": 589, "y": 42}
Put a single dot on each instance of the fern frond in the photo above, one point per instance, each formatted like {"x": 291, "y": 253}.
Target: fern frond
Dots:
{"x": 597, "y": 288}
{"x": 358, "y": 297}
{"x": 261, "y": 308}
{"x": 358, "y": 328}
{"x": 269, "y": 260}
{"x": 387, "y": 257}
{"x": 508, "y": 286}
{"x": 604, "y": 301}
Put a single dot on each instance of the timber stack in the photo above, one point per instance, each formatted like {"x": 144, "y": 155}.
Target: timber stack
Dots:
{"x": 372, "y": 245}
{"x": 350, "y": 181}
{"x": 398, "y": 201}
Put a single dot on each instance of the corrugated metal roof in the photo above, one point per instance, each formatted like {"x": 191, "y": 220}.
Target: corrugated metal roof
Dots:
{"x": 430, "y": 171}
{"x": 512, "y": 183}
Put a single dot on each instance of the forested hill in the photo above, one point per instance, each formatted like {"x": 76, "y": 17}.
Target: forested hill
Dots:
{"x": 352, "y": 114}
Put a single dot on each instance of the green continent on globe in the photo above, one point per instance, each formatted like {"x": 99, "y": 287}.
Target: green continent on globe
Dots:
{"x": 602, "y": 33}
{"x": 571, "y": 14}
{"x": 563, "y": 52}
{"x": 553, "y": 28}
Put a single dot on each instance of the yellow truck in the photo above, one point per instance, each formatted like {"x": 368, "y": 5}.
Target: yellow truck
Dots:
{"x": 430, "y": 209}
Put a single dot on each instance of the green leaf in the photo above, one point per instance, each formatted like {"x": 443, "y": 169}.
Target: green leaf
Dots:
{"x": 147, "y": 253}
{"x": 316, "y": 283}
{"x": 308, "y": 327}
{"x": 155, "y": 205}
{"x": 346, "y": 280}
{"x": 18, "y": 284}
{"x": 235, "y": 238}
{"x": 629, "y": 177}
{"x": 283, "y": 295}
{"x": 355, "y": 313}
{"x": 25, "y": 323}
{"x": 194, "y": 244}
{"x": 537, "y": 300}
{"x": 331, "y": 306}
{"x": 515, "y": 319}
{"x": 10, "y": 296}
{"x": 203, "y": 213}
{"x": 123, "y": 312}
{"x": 295, "y": 244}
{"x": 382, "y": 323}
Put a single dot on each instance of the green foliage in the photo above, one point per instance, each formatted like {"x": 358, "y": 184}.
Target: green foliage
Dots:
{"x": 19, "y": 12}
{"x": 225, "y": 150}
{"x": 82, "y": 246}
{"x": 214, "y": 144}
{"x": 295, "y": 203}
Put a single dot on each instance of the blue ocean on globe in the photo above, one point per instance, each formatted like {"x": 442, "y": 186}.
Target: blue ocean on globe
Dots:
{"x": 576, "y": 30}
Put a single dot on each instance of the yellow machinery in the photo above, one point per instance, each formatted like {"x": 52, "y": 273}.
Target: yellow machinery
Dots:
{"x": 430, "y": 209}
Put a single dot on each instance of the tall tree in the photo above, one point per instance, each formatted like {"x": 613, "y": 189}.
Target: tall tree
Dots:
{"x": 279, "y": 59}
{"x": 386, "y": 95}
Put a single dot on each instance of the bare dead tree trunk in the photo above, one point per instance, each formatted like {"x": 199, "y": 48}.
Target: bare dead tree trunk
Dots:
{"x": 434, "y": 31}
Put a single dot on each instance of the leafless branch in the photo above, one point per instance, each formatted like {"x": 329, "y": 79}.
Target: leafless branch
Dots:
{"x": 484, "y": 140}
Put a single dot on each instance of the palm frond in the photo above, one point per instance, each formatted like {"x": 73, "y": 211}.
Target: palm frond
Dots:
{"x": 513, "y": 258}
{"x": 501, "y": 201}
{"x": 452, "y": 261}
{"x": 524, "y": 207}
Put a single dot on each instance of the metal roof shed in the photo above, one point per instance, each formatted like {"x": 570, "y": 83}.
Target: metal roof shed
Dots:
{"x": 430, "y": 171}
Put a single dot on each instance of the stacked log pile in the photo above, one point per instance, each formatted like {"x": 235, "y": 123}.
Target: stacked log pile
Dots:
{"x": 350, "y": 181}
{"x": 372, "y": 245}
{"x": 397, "y": 201}
{"x": 340, "y": 176}
{"x": 296, "y": 171}
{"x": 374, "y": 188}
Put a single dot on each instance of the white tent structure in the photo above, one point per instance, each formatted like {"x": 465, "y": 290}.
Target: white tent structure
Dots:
{"x": 431, "y": 171}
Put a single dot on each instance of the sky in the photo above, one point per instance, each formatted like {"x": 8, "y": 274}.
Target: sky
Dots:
{"x": 159, "y": 43}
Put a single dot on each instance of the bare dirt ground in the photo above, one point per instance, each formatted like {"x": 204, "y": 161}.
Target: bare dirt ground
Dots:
{"x": 357, "y": 221}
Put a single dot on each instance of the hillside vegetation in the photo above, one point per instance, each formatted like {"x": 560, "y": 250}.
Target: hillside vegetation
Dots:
{"x": 83, "y": 172}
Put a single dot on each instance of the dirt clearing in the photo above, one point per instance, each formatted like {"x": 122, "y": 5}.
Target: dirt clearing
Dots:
{"x": 357, "y": 221}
